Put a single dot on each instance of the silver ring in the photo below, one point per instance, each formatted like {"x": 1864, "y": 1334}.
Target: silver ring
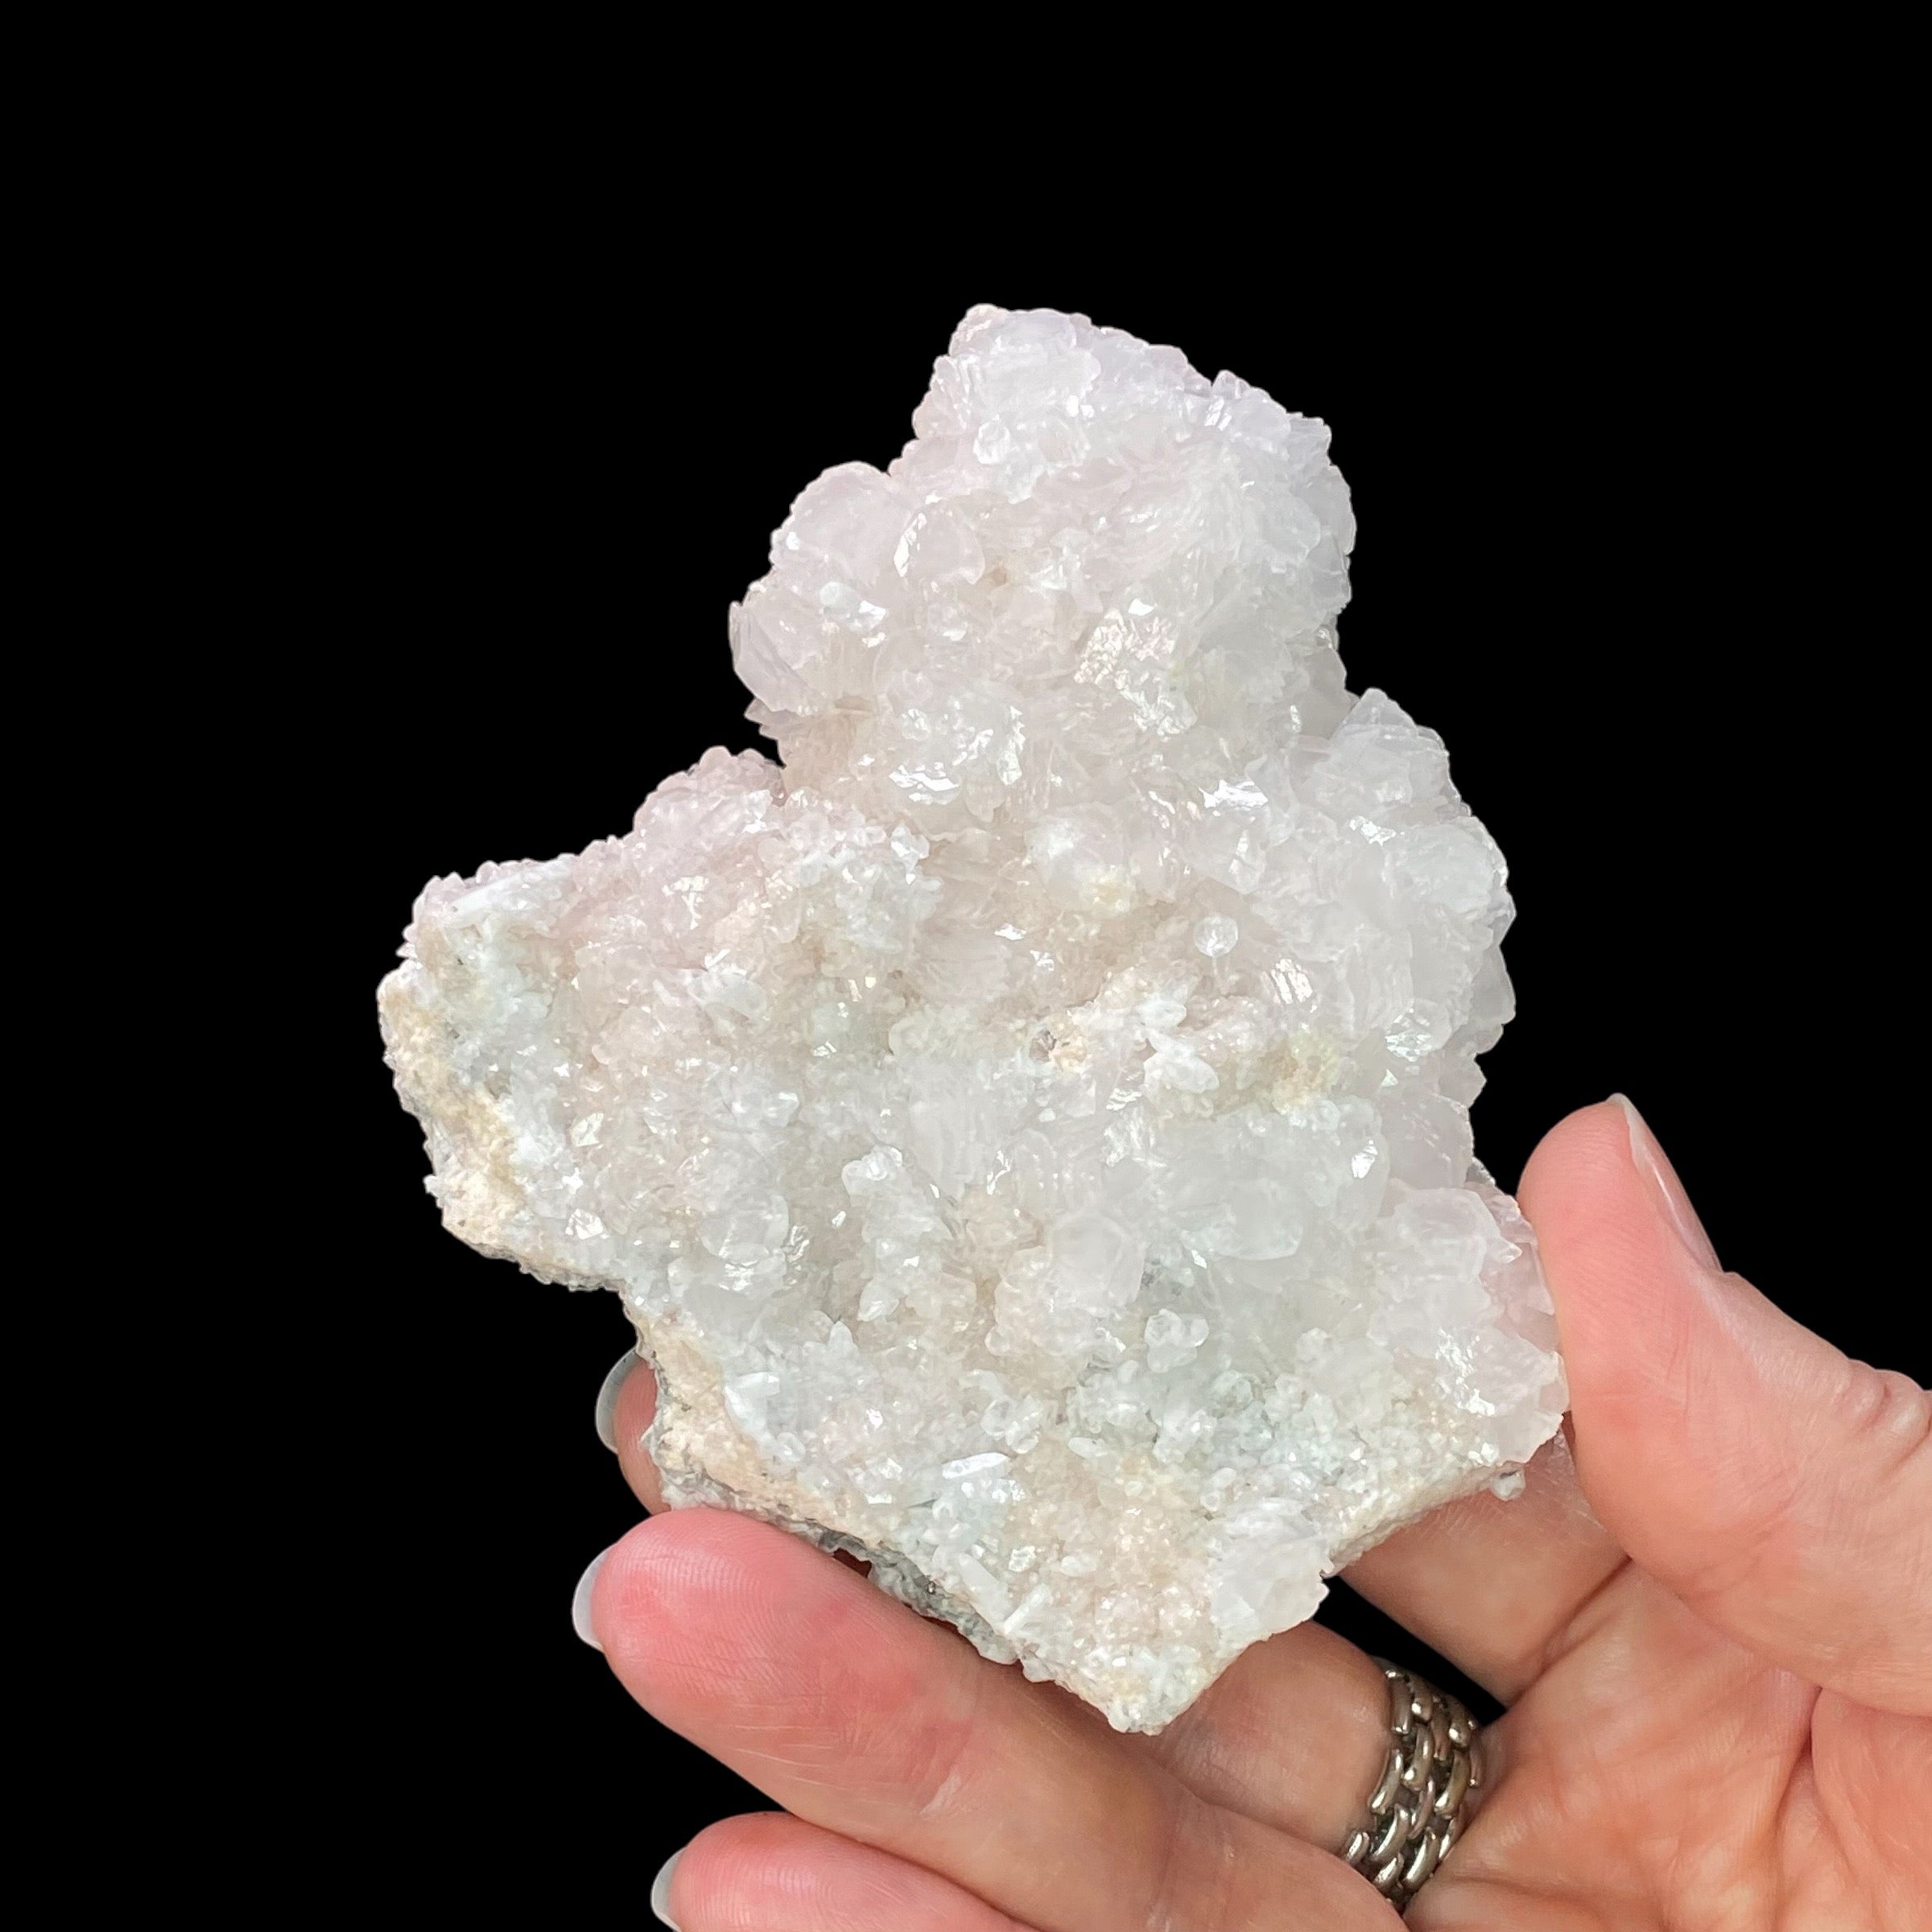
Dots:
{"x": 1415, "y": 1814}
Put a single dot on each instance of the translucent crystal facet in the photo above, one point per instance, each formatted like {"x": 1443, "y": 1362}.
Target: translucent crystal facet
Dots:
{"x": 1030, "y": 1127}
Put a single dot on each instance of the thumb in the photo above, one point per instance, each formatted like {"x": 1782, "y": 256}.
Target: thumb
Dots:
{"x": 1780, "y": 1488}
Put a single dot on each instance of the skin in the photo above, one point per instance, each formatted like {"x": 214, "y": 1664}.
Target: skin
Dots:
{"x": 1710, "y": 1616}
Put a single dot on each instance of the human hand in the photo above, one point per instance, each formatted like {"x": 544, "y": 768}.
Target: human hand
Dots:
{"x": 1709, "y": 1616}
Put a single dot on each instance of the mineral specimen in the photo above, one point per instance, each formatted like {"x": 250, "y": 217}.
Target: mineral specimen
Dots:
{"x": 1028, "y": 1130}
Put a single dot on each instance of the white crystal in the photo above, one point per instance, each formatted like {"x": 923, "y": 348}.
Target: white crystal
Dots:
{"x": 1030, "y": 1130}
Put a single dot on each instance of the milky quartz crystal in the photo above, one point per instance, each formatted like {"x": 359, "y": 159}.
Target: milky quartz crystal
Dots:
{"x": 1029, "y": 1128}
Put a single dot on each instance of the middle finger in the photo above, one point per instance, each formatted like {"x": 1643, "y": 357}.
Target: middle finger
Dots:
{"x": 861, "y": 1717}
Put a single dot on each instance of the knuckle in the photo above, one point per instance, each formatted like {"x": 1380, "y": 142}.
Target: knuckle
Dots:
{"x": 936, "y": 1759}
{"x": 1194, "y": 1867}
{"x": 1888, "y": 1421}
{"x": 1894, "y": 1416}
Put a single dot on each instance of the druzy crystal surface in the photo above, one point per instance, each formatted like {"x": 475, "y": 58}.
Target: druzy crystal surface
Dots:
{"x": 1029, "y": 1127}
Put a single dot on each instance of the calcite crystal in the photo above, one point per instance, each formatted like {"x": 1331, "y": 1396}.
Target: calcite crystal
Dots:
{"x": 1029, "y": 1128}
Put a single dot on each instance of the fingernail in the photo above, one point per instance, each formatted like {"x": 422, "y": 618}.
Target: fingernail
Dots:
{"x": 607, "y": 1398}
{"x": 660, "y": 1892}
{"x": 1661, "y": 1177}
{"x": 579, "y": 1604}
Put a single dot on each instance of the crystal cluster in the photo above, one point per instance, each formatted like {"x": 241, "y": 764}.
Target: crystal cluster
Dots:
{"x": 1029, "y": 1128}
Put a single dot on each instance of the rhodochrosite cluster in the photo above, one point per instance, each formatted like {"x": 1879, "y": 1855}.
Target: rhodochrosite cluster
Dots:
{"x": 1028, "y": 1125}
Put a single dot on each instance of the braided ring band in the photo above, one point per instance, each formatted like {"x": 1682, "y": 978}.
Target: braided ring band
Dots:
{"x": 1415, "y": 1814}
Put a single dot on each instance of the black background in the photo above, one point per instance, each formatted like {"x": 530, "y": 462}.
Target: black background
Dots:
{"x": 1619, "y": 544}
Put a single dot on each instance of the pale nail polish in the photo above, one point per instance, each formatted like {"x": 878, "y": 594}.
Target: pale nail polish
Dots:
{"x": 1661, "y": 1177}
{"x": 660, "y": 1892}
{"x": 607, "y": 1398}
{"x": 579, "y": 1604}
